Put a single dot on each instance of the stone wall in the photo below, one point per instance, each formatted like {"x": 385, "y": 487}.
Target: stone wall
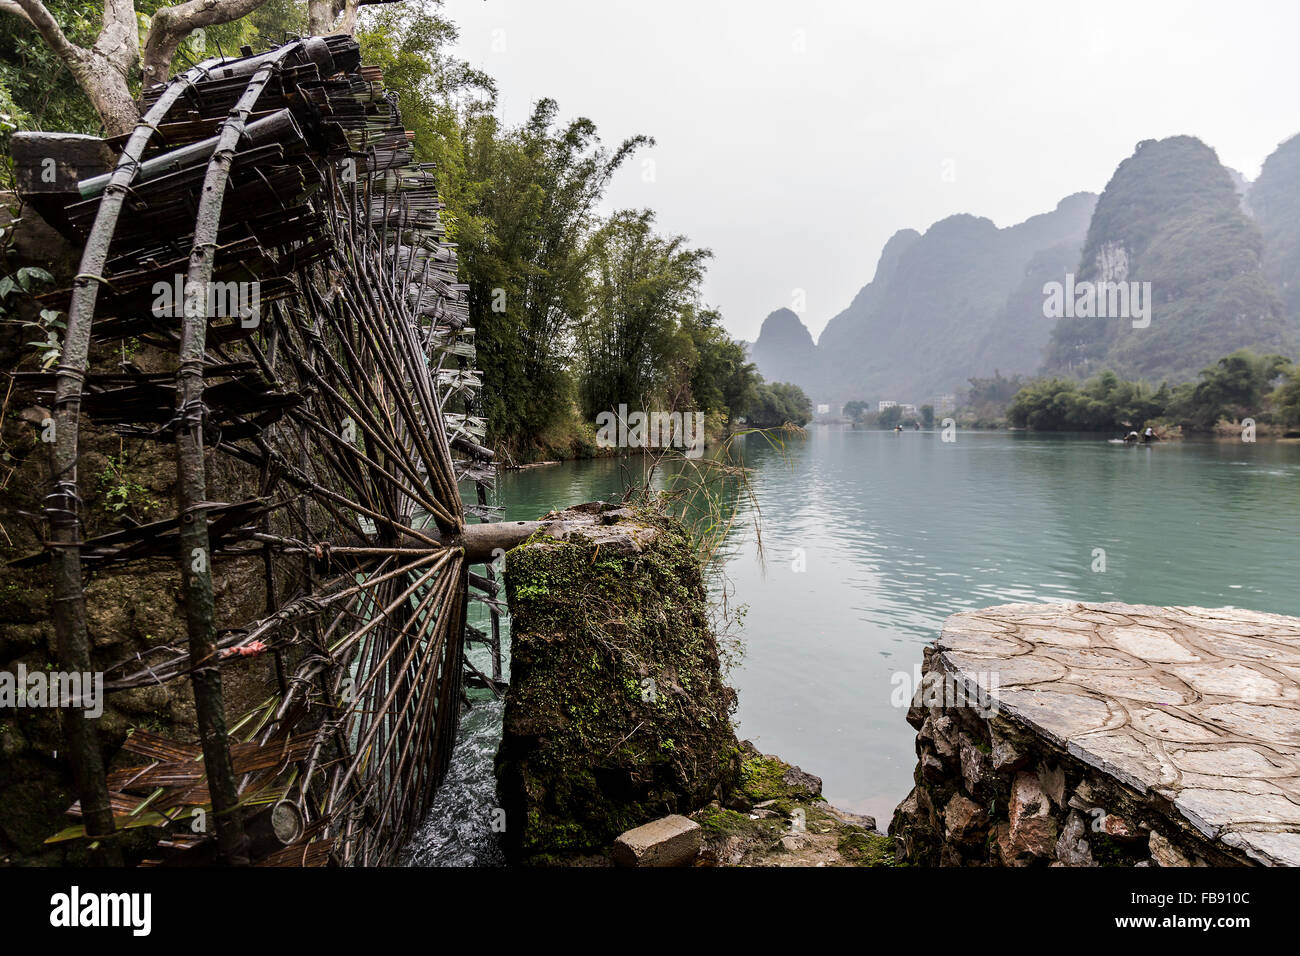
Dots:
{"x": 1086, "y": 735}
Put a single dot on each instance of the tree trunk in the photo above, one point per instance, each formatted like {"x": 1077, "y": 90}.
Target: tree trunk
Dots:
{"x": 108, "y": 92}
{"x": 100, "y": 71}
{"x": 172, "y": 25}
{"x": 321, "y": 15}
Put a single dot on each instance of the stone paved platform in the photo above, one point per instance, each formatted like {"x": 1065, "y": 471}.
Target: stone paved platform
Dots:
{"x": 1198, "y": 706}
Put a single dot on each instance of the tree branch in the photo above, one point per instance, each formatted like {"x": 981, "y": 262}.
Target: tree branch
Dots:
{"x": 323, "y": 15}
{"x": 50, "y": 31}
{"x": 118, "y": 43}
{"x": 171, "y": 25}
{"x": 349, "y": 22}
{"x": 11, "y": 6}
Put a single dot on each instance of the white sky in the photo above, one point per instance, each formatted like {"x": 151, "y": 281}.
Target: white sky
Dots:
{"x": 794, "y": 138}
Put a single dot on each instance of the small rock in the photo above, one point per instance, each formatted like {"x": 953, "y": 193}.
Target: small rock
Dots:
{"x": 1006, "y": 755}
{"x": 1116, "y": 826}
{"x": 1052, "y": 780}
{"x": 932, "y": 768}
{"x": 803, "y": 785}
{"x": 856, "y": 819}
{"x": 909, "y": 811}
{"x": 965, "y": 819}
{"x": 943, "y": 734}
{"x": 1072, "y": 848}
{"x": 794, "y": 841}
{"x": 669, "y": 841}
{"x": 1165, "y": 853}
{"x": 975, "y": 766}
{"x": 1032, "y": 828}
{"x": 917, "y": 715}
{"x": 949, "y": 856}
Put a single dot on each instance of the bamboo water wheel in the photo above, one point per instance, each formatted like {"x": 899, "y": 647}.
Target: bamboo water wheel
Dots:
{"x": 342, "y": 392}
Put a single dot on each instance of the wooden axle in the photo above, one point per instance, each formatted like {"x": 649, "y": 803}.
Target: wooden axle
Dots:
{"x": 482, "y": 542}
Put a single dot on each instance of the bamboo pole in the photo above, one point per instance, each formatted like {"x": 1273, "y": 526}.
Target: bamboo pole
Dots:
{"x": 63, "y": 508}
{"x": 195, "y": 552}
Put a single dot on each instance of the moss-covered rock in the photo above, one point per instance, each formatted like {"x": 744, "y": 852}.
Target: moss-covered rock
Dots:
{"x": 786, "y": 822}
{"x": 863, "y": 848}
{"x": 764, "y": 777}
{"x": 617, "y": 712}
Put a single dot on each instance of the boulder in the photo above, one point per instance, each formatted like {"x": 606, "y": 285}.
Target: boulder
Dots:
{"x": 669, "y": 841}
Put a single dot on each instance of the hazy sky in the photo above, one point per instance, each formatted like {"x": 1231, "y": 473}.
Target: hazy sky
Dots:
{"x": 793, "y": 138}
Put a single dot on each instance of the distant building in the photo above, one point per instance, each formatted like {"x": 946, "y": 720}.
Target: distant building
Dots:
{"x": 823, "y": 409}
{"x": 945, "y": 403}
{"x": 881, "y": 406}
{"x": 908, "y": 410}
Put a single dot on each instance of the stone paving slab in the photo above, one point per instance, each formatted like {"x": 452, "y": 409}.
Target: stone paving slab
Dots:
{"x": 1198, "y": 705}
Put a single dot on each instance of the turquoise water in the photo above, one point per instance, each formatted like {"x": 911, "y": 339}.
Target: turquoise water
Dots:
{"x": 896, "y": 532}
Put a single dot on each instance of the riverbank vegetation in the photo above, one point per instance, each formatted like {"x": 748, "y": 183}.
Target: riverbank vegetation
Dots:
{"x": 1265, "y": 388}
{"x": 576, "y": 312}
{"x": 778, "y": 404}
{"x": 1242, "y": 385}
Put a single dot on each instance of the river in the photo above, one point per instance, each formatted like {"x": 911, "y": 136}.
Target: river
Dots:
{"x": 870, "y": 539}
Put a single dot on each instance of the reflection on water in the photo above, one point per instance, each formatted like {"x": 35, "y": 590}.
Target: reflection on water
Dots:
{"x": 896, "y": 532}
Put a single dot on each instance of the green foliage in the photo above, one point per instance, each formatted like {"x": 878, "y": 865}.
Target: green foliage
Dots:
{"x": 992, "y": 391}
{"x": 527, "y": 263}
{"x": 1286, "y": 400}
{"x": 586, "y": 752}
{"x": 722, "y": 380}
{"x": 764, "y": 777}
{"x": 986, "y": 399}
{"x": 1238, "y": 385}
{"x": 271, "y": 23}
{"x": 631, "y": 338}
{"x": 41, "y": 328}
{"x": 12, "y": 118}
{"x": 1101, "y": 404}
{"x": 123, "y": 494}
{"x": 43, "y": 92}
{"x": 439, "y": 97}
{"x": 778, "y": 404}
{"x": 47, "y": 96}
{"x": 574, "y": 314}
{"x": 864, "y": 848}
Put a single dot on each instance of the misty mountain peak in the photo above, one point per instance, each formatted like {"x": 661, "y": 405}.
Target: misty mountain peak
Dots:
{"x": 784, "y": 350}
{"x": 784, "y": 326}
